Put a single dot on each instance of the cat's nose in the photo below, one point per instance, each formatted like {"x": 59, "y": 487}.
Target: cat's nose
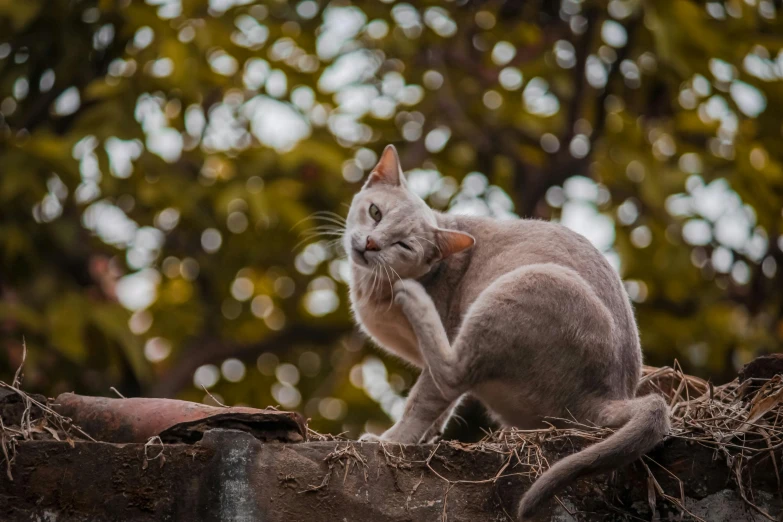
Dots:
{"x": 371, "y": 244}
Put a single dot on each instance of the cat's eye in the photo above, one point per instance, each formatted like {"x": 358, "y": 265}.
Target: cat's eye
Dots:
{"x": 375, "y": 212}
{"x": 404, "y": 245}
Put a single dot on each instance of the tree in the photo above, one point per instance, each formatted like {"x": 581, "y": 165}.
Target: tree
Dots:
{"x": 161, "y": 161}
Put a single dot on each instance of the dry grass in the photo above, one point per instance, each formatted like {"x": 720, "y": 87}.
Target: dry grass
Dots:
{"x": 37, "y": 421}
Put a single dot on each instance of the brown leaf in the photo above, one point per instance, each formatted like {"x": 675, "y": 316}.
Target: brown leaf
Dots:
{"x": 53, "y": 432}
{"x": 762, "y": 406}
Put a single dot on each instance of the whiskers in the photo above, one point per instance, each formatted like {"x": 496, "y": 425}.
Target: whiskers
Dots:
{"x": 391, "y": 300}
{"x": 375, "y": 282}
{"x": 417, "y": 238}
{"x": 370, "y": 293}
{"x": 383, "y": 274}
{"x": 329, "y": 230}
{"x": 332, "y": 225}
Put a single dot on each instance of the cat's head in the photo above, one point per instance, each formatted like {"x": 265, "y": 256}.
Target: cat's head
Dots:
{"x": 388, "y": 226}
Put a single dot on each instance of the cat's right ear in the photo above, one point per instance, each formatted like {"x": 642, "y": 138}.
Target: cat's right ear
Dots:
{"x": 387, "y": 171}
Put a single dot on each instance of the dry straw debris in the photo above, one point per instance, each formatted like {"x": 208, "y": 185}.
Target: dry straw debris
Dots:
{"x": 28, "y": 417}
{"x": 741, "y": 422}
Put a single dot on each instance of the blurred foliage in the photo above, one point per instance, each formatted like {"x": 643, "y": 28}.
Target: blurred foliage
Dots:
{"x": 160, "y": 161}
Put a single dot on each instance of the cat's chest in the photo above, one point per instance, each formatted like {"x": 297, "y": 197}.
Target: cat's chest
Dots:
{"x": 390, "y": 329}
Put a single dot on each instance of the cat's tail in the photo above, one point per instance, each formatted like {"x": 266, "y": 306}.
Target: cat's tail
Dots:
{"x": 647, "y": 424}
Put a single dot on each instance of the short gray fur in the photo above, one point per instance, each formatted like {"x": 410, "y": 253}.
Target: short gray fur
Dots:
{"x": 525, "y": 315}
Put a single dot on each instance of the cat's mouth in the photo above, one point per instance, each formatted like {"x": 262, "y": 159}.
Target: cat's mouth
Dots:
{"x": 359, "y": 255}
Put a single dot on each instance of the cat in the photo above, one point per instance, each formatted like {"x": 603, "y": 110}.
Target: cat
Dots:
{"x": 525, "y": 315}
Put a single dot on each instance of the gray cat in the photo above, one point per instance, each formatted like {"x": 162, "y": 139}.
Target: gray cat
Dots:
{"x": 525, "y": 315}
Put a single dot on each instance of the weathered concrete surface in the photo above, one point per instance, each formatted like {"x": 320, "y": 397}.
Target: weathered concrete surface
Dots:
{"x": 728, "y": 506}
{"x": 231, "y": 476}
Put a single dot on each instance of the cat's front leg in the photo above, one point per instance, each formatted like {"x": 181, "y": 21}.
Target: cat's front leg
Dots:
{"x": 425, "y": 406}
{"x": 421, "y": 313}
{"x": 427, "y": 402}
{"x": 440, "y": 358}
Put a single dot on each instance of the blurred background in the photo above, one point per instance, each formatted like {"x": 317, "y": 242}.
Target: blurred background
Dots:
{"x": 160, "y": 163}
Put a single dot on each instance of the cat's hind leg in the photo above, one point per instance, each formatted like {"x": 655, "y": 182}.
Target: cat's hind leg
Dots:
{"x": 529, "y": 325}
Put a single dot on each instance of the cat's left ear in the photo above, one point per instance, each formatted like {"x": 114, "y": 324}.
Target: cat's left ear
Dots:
{"x": 452, "y": 242}
{"x": 388, "y": 170}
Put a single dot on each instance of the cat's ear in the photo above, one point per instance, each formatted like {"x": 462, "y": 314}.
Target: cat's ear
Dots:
{"x": 387, "y": 171}
{"x": 452, "y": 242}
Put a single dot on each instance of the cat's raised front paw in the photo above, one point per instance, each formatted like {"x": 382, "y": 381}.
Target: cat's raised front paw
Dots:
{"x": 410, "y": 295}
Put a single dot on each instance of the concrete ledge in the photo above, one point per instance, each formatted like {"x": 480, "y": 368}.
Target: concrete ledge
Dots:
{"x": 231, "y": 476}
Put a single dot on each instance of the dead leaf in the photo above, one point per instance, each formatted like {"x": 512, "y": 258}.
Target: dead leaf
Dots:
{"x": 53, "y": 432}
{"x": 764, "y": 405}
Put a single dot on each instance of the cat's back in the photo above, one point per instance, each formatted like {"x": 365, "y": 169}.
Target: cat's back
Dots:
{"x": 505, "y": 245}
